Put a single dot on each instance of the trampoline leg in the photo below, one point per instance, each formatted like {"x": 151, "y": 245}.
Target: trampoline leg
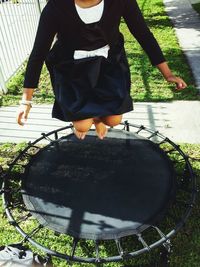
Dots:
{"x": 164, "y": 257}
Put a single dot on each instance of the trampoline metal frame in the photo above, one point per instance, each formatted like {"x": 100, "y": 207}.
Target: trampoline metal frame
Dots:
{"x": 164, "y": 238}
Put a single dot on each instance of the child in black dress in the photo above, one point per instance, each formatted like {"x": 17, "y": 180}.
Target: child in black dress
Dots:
{"x": 88, "y": 67}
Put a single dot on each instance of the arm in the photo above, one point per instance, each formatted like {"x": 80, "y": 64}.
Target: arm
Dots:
{"x": 138, "y": 27}
{"x": 47, "y": 28}
{"x": 23, "y": 110}
{"x": 169, "y": 77}
{"x": 46, "y": 31}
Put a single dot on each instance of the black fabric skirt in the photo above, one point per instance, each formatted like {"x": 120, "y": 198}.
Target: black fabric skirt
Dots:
{"x": 91, "y": 87}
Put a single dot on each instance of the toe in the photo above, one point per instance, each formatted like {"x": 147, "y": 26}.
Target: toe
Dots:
{"x": 83, "y": 135}
{"x": 77, "y": 134}
{"x": 105, "y": 133}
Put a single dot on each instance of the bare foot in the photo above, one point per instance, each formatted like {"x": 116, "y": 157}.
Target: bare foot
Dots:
{"x": 101, "y": 129}
{"x": 80, "y": 135}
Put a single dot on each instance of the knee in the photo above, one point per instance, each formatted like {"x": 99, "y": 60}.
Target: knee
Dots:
{"x": 83, "y": 125}
{"x": 112, "y": 120}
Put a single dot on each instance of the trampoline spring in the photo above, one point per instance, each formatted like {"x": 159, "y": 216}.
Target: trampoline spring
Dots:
{"x": 162, "y": 142}
{"x": 98, "y": 260}
{"x": 24, "y": 218}
{"x": 167, "y": 140}
{"x": 16, "y": 205}
{"x": 56, "y": 135}
{"x": 46, "y": 137}
{"x": 34, "y": 146}
{"x": 180, "y": 160}
{"x": 126, "y": 126}
{"x": 74, "y": 245}
{"x": 170, "y": 151}
{"x": 167, "y": 245}
{"x": 144, "y": 243}
{"x": 119, "y": 247}
{"x": 34, "y": 231}
{"x": 162, "y": 235}
{"x": 140, "y": 129}
{"x": 153, "y": 134}
{"x": 28, "y": 236}
{"x": 12, "y": 164}
{"x": 27, "y": 154}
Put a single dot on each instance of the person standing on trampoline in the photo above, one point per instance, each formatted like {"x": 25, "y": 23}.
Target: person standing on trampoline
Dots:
{"x": 87, "y": 64}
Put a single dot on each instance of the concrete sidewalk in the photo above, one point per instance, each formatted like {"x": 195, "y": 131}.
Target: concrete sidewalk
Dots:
{"x": 187, "y": 26}
{"x": 178, "y": 120}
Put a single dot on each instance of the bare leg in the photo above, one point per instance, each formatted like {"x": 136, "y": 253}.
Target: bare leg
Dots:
{"x": 101, "y": 129}
{"x": 101, "y": 122}
{"x": 82, "y": 127}
{"x": 112, "y": 120}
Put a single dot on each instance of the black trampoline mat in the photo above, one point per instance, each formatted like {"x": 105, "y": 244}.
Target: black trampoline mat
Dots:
{"x": 99, "y": 189}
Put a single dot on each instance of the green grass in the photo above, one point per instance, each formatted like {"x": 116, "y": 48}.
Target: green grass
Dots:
{"x": 197, "y": 7}
{"x": 147, "y": 83}
{"x": 186, "y": 244}
{"x": 43, "y": 94}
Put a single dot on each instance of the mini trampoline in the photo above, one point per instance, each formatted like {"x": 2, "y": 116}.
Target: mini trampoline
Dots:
{"x": 135, "y": 183}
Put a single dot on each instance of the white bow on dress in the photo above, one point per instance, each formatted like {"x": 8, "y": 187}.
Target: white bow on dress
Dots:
{"x": 103, "y": 51}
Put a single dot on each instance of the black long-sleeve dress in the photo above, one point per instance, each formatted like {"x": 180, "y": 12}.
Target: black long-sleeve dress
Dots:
{"x": 94, "y": 86}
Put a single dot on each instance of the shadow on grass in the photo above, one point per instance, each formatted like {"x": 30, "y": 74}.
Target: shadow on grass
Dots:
{"x": 151, "y": 79}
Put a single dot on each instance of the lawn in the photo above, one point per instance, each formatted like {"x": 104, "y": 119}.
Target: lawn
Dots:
{"x": 186, "y": 244}
{"x": 147, "y": 83}
{"x": 197, "y": 7}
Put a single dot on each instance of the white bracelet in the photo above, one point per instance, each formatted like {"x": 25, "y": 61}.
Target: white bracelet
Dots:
{"x": 25, "y": 102}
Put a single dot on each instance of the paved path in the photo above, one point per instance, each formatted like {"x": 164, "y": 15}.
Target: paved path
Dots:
{"x": 187, "y": 26}
{"x": 178, "y": 120}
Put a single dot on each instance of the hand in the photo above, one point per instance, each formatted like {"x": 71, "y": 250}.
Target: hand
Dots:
{"x": 22, "y": 113}
{"x": 180, "y": 84}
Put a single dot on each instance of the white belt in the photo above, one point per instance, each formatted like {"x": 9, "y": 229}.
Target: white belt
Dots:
{"x": 103, "y": 51}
